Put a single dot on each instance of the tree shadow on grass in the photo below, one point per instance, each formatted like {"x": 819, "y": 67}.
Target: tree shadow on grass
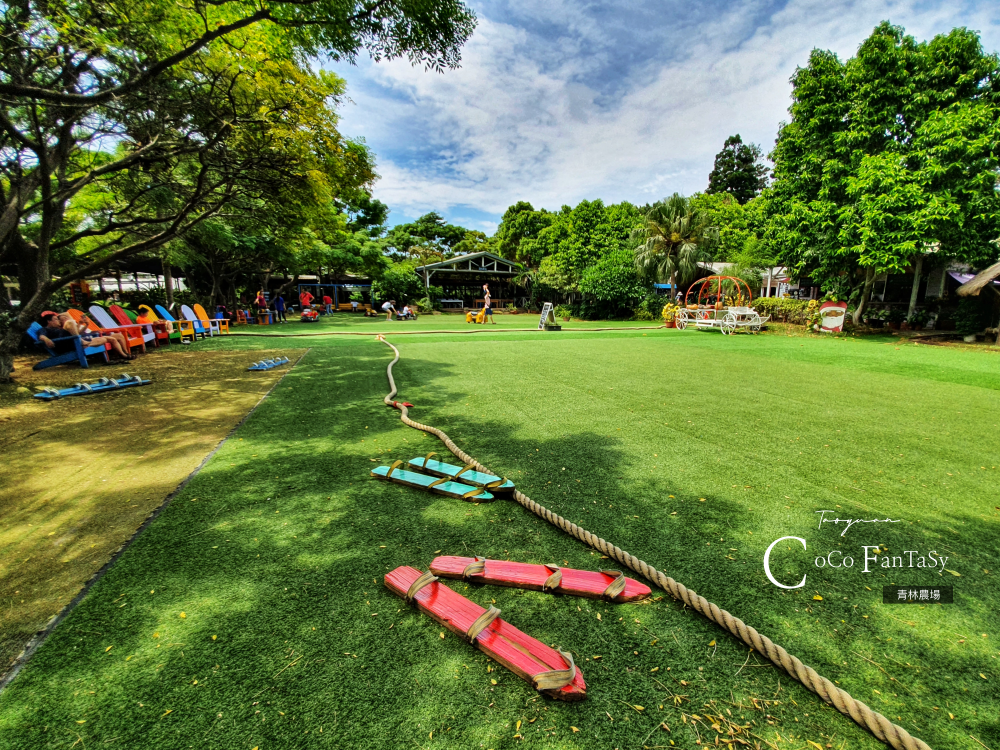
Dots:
{"x": 278, "y": 548}
{"x": 85, "y": 472}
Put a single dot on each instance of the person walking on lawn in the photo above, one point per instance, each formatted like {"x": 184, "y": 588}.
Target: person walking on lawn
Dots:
{"x": 328, "y": 303}
{"x": 279, "y": 310}
{"x": 487, "y": 305}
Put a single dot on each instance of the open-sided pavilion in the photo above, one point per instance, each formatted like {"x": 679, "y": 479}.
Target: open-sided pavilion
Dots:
{"x": 463, "y": 276}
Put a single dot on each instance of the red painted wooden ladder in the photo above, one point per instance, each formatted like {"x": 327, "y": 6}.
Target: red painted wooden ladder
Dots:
{"x": 610, "y": 585}
{"x": 549, "y": 671}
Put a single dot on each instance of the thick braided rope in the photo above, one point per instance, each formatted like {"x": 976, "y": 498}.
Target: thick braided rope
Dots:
{"x": 889, "y": 733}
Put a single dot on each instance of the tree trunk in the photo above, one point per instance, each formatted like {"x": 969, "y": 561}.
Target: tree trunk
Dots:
{"x": 917, "y": 264}
{"x": 673, "y": 284}
{"x": 866, "y": 292}
{"x": 168, "y": 279}
{"x": 11, "y": 339}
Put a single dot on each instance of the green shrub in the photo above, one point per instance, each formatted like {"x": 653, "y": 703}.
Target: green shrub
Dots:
{"x": 612, "y": 285}
{"x": 784, "y": 310}
{"x": 969, "y": 317}
{"x": 398, "y": 282}
{"x": 563, "y": 311}
{"x": 650, "y": 307}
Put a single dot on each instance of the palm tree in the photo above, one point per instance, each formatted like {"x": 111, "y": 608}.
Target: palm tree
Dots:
{"x": 675, "y": 238}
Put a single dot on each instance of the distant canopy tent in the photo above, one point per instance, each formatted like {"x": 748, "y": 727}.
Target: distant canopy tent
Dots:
{"x": 464, "y": 275}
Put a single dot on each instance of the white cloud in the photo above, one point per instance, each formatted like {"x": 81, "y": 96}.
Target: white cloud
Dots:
{"x": 535, "y": 116}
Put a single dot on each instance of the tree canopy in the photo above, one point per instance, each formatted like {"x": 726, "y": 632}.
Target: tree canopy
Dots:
{"x": 888, "y": 155}
{"x": 156, "y": 115}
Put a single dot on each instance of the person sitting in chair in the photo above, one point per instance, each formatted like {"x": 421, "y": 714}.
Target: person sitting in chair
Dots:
{"x": 55, "y": 337}
{"x": 88, "y": 331}
{"x": 145, "y": 316}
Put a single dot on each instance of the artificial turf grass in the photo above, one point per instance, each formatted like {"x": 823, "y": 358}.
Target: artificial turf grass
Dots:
{"x": 358, "y": 324}
{"x": 543, "y": 403}
{"x": 120, "y": 454}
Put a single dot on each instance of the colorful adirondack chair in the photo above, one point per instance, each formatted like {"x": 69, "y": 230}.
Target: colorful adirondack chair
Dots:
{"x": 219, "y": 324}
{"x": 133, "y": 332}
{"x": 123, "y": 318}
{"x": 241, "y": 318}
{"x": 199, "y": 327}
{"x": 151, "y": 314}
{"x": 158, "y": 331}
{"x": 186, "y": 327}
{"x": 79, "y": 353}
{"x": 79, "y": 316}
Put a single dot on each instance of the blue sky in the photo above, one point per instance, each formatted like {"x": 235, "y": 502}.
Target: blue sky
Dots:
{"x": 560, "y": 101}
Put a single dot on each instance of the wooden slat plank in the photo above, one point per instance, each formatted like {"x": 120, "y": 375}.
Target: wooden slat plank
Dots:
{"x": 520, "y": 653}
{"x": 590, "y": 584}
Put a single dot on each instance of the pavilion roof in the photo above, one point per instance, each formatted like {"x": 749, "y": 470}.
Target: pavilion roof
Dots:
{"x": 483, "y": 262}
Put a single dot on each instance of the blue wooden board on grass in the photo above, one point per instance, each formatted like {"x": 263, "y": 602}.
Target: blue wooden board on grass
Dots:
{"x": 102, "y": 385}
{"x": 269, "y": 364}
{"x": 469, "y": 476}
{"x": 440, "y": 485}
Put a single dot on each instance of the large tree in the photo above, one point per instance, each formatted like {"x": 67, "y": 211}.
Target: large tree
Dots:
{"x": 158, "y": 104}
{"x": 739, "y": 170}
{"x": 888, "y": 156}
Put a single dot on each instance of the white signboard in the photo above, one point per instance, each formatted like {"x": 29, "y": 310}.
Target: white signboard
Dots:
{"x": 547, "y": 316}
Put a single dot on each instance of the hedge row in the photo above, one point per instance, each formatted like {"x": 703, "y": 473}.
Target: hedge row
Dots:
{"x": 784, "y": 310}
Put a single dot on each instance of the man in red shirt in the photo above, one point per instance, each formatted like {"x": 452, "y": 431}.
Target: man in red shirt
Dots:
{"x": 305, "y": 299}
{"x": 328, "y": 303}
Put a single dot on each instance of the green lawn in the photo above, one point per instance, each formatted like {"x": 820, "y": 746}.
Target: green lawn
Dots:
{"x": 251, "y": 613}
{"x": 358, "y": 324}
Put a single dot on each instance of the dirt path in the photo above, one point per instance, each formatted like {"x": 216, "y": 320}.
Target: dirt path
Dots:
{"x": 80, "y": 475}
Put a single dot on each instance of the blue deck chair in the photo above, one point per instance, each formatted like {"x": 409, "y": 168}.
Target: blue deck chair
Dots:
{"x": 79, "y": 353}
{"x": 199, "y": 323}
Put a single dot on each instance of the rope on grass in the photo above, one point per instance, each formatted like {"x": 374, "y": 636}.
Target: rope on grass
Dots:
{"x": 891, "y": 734}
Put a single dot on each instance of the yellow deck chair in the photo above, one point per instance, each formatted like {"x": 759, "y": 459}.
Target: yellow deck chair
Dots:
{"x": 219, "y": 324}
